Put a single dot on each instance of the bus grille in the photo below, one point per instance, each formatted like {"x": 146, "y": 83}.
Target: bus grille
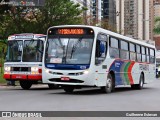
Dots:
{"x": 69, "y": 81}
{"x": 22, "y": 69}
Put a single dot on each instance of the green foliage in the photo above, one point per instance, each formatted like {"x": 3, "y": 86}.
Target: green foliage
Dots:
{"x": 2, "y": 80}
{"x": 2, "y": 46}
{"x": 38, "y": 20}
{"x": 156, "y": 29}
{"x": 61, "y": 12}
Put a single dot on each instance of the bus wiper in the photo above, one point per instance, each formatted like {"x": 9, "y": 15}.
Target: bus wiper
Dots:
{"x": 63, "y": 48}
{"x": 75, "y": 47}
{"x": 64, "y": 56}
{"x": 38, "y": 47}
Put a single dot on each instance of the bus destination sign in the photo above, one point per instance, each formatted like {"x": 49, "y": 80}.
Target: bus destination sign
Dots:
{"x": 70, "y": 31}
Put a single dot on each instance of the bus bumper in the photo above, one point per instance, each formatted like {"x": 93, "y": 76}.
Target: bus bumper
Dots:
{"x": 22, "y": 77}
{"x": 75, "y": 79}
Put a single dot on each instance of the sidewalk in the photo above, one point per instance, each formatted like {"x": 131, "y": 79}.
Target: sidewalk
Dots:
{"x": 4, "y": 85}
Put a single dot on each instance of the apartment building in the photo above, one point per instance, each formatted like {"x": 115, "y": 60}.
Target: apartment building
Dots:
{"x": 135, "y": 18}
{"x": 104, "y": 10}
{"x": 156, "y": 8}
{"x": 88, "y": 13}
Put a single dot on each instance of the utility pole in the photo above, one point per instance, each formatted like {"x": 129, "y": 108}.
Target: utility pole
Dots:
{"x": 85, "y": 12}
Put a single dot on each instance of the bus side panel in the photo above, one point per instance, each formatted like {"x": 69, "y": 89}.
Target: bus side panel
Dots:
{"x": 147, "y": 69}
{"x": 150, "y": 75}
{"x": 101, "y": 73}
{"x": 126, "y": 72}
{"x": 116, "y": 68}
{"x": 136, "y": 73}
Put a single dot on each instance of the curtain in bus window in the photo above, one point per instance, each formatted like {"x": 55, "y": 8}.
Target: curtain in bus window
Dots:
{"x": 124, "y": 54}
{"x": 114, "y": 52}
{"x": 147, "y": 58}
{"x": 143, "y": 58}
{"x": 143, "y": 49}
{"x": 138, "y": 57}
{"x": 132, "y": 56}
{"x": 138, "y": 50}
{"x": 152, "y": 56}
{"x": 147, "y": 52}
{"x": 132, "y": 51}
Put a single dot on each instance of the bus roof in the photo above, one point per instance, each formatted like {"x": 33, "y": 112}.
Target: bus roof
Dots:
{"x": 98, "y": 29}
{"x": 25, "y": 36}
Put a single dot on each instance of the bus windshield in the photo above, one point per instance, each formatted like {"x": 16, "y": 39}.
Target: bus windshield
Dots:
{"x": 68, "y": 50}
{"x": 32, "y": 51}
{"x": 14, "y": 52}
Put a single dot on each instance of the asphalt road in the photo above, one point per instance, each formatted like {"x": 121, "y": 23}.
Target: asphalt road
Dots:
{"x": 40, "y": 98}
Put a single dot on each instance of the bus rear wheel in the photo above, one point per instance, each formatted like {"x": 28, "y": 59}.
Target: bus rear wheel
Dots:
{"x": 140, "y": 85}
{"x": 68, "y": 89}
{"x": 25, "y": 84}
{"x": 109, "y": 85}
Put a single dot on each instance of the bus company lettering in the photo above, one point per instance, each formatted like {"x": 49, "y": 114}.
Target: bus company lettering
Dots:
{"x": 144, "y": 67}
{"x": 117, "y": 64}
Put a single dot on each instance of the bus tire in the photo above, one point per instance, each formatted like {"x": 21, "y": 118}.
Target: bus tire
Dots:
{"x": 53, "y": 86}
{"x": 109, "y": 85}
{"x": 68, "y": 89}
{"x": 140, "y": 85}
{"x": 25, "y": 84}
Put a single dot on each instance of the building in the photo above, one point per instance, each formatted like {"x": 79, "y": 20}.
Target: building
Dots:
{"x": 104, "y": 10}
{"x": 135, "y": 18}
{"x": 157, "y": 8}
{"x": 157, "y": 14}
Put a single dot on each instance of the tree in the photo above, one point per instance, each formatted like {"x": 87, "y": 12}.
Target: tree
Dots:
{"x": 104, "y": 23}
{"x": 156, "y": 29}
{"x": 38, "y": 19}
{"x": 3, "y": 10}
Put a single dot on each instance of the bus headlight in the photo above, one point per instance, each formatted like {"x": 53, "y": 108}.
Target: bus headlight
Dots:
{"x": 34, "y": 70}
{"x": 47, "y": 71}
{"x": 86, "y": 72}
{"x": 7, "y": 68}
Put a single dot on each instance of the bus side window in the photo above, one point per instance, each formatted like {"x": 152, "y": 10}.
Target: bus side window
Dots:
{"x": 143, "y": 54}
{"x": 147, "y": 53}
{"x": 132, "y": 51}
{"x": 124, "y": 52}
{"x": 138, "y": 50}
{"x": 101, "y": 51}
{"x": 152, "y": 55}
{"x": 114, "y": 48}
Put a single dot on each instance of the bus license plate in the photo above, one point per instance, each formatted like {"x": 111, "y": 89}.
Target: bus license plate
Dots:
{"x": 18, "y": 76}
{"x": 65, "y": 78}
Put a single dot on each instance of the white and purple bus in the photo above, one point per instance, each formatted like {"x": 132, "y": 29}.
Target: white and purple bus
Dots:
{"x": 79, "y": 55}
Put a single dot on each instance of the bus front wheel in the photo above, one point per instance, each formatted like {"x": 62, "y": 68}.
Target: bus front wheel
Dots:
{"x": 53, "y": 86}
{"x": 25, "y": 84}
{"x": 68, "y": 89}
{"x": 109, "y": 85}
